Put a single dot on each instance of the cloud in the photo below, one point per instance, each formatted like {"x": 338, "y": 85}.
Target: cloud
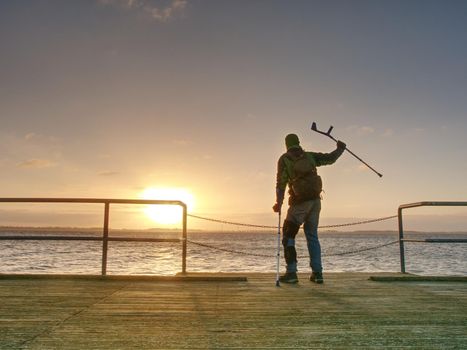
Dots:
{"x": 35, "y": 164}
{"x": 251, "y": 117}
{"x": 33, "y": 137}
{"x": 175, "y": 8}
{"x": 181, "y": 142}
{"x": 388, "y": 133}
{"x": 162, "y": 11}
{"x": 259, "y": 175}
{"x": 362, "y": 167}
{"x": 30, "y": 151}
{"x": 30, "y": 136}
{"x": 366, "y": 130}
{"x": 361, "y": 130}
{"x": 104, "y": 156}
{"x": 108, "y": 173}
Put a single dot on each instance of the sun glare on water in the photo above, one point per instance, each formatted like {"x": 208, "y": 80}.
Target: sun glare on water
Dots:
{"x": 167, "y": 214}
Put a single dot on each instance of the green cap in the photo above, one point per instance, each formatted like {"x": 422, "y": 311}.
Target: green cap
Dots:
{"x": 291, "y": 141}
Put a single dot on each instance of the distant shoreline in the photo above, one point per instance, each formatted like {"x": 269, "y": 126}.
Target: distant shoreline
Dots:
{"x": 4, "y": 229}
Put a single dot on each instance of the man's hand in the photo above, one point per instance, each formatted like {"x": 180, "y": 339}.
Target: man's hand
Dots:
{"x": 341, "y": 145}
{"x": 277, "y": 207}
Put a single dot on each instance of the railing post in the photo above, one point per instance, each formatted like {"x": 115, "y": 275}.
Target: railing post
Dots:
{"x": 184, "y": 239}
{"x": 401, "y": 240}
{"x": 105, "y": 239}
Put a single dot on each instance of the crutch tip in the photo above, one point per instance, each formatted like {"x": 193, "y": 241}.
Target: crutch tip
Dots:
{"x": 278, "y": 284}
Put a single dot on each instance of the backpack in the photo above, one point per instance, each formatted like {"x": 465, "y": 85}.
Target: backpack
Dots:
{"x": 305, "y": 182}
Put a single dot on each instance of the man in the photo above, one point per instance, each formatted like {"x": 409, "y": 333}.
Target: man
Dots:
{"x": 297, "y": 170}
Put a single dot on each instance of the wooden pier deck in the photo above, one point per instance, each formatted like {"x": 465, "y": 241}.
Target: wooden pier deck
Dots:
{"x": 349, "y": 311}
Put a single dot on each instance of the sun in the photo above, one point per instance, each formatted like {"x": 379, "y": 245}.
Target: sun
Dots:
{"x": 167, "y": 214}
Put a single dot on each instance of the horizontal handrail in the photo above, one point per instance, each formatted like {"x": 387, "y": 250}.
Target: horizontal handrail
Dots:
{"x": 428, "y": 240}
{"x": 105, "y": 236}
{"x": 93, "y": 200}
{"x": 84, "y": 238}
{"x": 432, "y": 203}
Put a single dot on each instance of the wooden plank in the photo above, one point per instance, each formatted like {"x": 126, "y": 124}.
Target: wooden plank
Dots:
{"x": 180, "y": 277}
{"x": 347, "y": 311}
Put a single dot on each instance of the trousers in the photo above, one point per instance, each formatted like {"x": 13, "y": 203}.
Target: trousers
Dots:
{"x": 306, "y": 213}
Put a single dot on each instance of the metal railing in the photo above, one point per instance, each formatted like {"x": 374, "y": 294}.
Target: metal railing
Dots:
{"x": 428, "y": 240}
{"x": 105, "y": 232}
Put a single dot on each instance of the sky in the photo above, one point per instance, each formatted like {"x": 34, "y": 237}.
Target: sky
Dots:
{"x": 110, "y": 98}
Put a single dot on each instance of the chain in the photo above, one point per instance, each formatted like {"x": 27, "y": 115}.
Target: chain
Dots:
{"x": 300, "y": 256}
{"x": 360, "y": 250}
{"x": 360, "y": 222}
{"x": 229, "y": 222}
{"x": 228, "y": 250}
{"x": 275, "y": 227}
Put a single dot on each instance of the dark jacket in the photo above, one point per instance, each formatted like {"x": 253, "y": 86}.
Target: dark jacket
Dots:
{"x": 285, "y": 164}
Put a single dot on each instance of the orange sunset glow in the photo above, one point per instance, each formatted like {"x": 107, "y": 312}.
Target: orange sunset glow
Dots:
{"x": 200, "y": 95}
{"x": 167, "y": 214}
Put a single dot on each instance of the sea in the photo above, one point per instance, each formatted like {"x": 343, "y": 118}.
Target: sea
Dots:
{"x": 356, "y": 251}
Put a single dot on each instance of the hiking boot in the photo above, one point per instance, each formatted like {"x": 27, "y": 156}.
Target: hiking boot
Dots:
{"x": 289, "y": 277}
{"x": 317, "y": 277}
